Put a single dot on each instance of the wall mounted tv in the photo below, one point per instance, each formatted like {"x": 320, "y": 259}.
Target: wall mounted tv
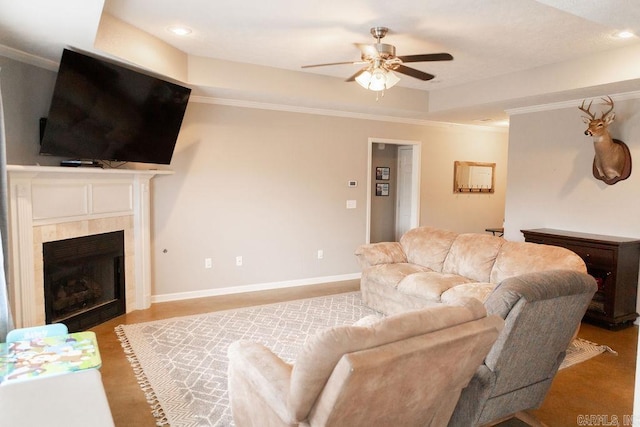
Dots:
{"x": 104, "y": 111}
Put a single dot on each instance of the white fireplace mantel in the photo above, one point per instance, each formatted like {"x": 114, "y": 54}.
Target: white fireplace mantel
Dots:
{"x": 48, "y": 196}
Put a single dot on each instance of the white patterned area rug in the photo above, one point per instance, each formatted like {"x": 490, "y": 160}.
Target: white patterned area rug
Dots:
{"x": 581, "y": 350}
{"x": 181, "y": 363}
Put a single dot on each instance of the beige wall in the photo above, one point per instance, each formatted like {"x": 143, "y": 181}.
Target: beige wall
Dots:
{"x": 550, "y": 179}
{"x": 463, "y": 212}
{"x": 271, "y": 186}
{"x": 132, "y": 44}
{"x": 26, "y": 95}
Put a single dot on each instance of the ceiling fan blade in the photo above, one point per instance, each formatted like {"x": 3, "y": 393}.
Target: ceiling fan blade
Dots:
{"x": 426, "y": 57}
{"x": 352, "y": 78}
{"x": 414, "y": 73}
{"x": 334, "y": 63}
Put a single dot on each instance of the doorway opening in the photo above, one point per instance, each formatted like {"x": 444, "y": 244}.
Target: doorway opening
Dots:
{"x": 393, "y": 188}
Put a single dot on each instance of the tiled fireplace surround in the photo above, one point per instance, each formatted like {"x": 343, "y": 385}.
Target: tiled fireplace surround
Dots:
{"x": 55, "y": 203}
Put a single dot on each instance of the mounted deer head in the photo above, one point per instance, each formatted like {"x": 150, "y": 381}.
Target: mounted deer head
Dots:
{"x": 612, "y": 161}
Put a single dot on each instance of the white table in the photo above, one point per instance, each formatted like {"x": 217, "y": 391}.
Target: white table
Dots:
{"x": 75, "y": 399}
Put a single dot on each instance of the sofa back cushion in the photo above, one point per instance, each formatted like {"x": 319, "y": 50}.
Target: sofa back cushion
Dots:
{"x": 516, "y": 258}
{"x": 472, "y": 255}
{"x": 427, "y": 246}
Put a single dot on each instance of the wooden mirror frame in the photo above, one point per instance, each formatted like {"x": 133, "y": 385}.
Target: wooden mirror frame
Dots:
{"x": 461, "y": 179}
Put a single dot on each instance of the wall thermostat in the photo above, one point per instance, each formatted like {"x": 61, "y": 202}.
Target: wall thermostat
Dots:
{"x": 352, "y": 183}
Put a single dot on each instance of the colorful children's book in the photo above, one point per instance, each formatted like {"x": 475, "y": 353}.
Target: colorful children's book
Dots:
{"x": 54, "y": 355}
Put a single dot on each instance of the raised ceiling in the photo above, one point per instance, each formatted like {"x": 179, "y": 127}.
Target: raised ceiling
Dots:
{"x": 492, "y": 41}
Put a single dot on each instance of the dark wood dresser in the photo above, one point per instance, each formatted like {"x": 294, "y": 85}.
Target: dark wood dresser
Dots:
{"x": 612, "y": 261}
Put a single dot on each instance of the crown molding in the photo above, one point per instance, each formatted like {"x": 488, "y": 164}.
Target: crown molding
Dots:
{"x": 28, "y": 58}
{"x": 568, "y": 104}
{"x": 338, "y": 113}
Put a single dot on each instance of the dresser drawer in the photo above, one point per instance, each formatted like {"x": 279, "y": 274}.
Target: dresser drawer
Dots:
{"x": 592, "y": 255}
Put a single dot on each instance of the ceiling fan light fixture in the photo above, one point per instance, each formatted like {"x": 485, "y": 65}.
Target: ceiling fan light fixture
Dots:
{"x": 364, "y": 78}
{"x": 377, "y": 79}
{"x": 392, "y": 79}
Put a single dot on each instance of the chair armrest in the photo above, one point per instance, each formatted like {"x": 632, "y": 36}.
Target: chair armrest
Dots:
{"x": 380, "y": 253}
{"x": 256, "y": 370}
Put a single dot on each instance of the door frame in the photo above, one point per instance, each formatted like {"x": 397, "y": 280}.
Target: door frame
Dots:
{"x": 416, "y": 147}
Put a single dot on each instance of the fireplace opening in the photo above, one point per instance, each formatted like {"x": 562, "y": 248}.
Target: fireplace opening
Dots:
{"x": 84, "y": 283}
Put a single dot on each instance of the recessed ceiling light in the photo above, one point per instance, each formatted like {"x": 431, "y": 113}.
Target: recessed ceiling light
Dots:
{"x": 624, "y": 34}
{"x": 179, "y": 30}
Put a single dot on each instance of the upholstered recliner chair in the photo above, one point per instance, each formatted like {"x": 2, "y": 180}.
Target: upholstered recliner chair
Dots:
{"x": 406, "y": 370}
{"x": 541, "y": 312}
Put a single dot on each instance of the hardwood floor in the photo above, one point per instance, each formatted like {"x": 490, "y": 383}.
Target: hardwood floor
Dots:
{"x": 602, "y": 386}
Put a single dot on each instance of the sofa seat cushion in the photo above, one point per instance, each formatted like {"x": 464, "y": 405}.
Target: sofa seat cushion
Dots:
{"x": 430, "y": 284}
{"x": 479, "y": 291}
{"x": 391, "y": 274}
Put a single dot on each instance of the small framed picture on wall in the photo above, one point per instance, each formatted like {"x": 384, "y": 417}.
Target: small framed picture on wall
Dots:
{"x": 383, "y": 173}
{"x": 382, "y": 189}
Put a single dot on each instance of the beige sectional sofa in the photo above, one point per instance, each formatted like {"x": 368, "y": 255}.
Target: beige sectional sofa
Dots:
{"x": 431, "y": 265}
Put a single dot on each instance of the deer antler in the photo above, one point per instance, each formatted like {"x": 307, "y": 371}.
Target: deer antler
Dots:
{"x": 588, "y": 110}
{"x": 609, "y": 103}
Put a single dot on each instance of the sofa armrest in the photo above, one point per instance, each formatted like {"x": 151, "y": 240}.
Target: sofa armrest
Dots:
{"x": 258, "y": 384}
{"x": 380, "y": 253}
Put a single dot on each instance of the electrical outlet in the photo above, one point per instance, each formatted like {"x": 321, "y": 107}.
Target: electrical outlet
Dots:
{"x": 208, "y": 263}
{"x": 238, "y": 261}
{"x": 320, "y": 254}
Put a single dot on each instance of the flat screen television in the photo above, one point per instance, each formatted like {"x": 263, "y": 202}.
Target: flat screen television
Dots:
{"x": 104, "y": 111}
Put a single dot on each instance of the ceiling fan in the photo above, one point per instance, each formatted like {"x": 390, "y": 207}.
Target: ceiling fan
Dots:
{"x": 381, "y": 61}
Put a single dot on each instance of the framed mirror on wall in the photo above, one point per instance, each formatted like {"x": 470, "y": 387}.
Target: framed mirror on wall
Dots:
{"x": 473, "y": 177}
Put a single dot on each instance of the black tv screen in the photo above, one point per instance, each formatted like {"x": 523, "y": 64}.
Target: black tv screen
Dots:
{"x": 101, "y": 110}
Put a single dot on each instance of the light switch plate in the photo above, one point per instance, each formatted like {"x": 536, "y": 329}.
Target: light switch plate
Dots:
{"x": 351, "y": 204}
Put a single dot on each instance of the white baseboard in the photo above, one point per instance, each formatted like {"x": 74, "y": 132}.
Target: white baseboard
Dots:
{"x": 252, "y": 288}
